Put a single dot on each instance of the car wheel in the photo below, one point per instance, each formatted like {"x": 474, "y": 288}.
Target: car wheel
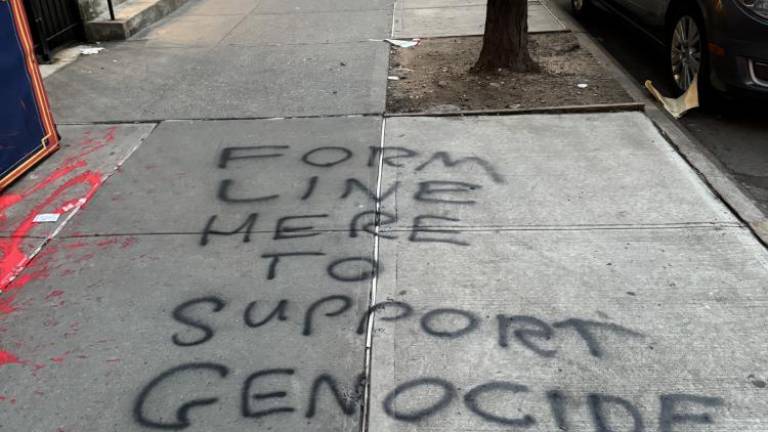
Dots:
{"x": 581, "y": 7}
{"x": 687, "y": 54}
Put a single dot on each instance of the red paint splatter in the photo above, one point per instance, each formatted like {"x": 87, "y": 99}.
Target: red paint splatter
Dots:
{"x": 13, "y": 258}
{"x": 107, "y": 242}
{"x": 128, "y": 242}
{"x": 54, "y": 293}
{"x": 85, "y": 257}
{"x": 7, "y": 358}
{"x": 69, "y": 165}
{"x": 61, "y": 358}
{"x": 75, "y": 245}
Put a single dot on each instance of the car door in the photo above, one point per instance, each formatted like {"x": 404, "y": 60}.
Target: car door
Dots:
{"x": 645, "y": 12}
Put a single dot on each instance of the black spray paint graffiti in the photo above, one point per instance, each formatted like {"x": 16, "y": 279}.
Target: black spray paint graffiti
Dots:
{"x": 267, "y": 392}
{"x": 528, "y": 332}
{"x": 430, "y": 191}
{"x": 674, "y": 409}
{"x": 421, "y": 230}
{"x": 259, "y": 398}
{"x": 347, "y": 399}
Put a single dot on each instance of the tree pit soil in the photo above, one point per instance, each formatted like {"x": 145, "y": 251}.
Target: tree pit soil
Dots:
{"x": 434, "y": 77}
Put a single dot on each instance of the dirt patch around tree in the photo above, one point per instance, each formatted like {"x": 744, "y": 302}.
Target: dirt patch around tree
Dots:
{"x": 434, "y": 77}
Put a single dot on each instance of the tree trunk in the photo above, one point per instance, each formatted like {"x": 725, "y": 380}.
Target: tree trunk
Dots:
{"x": 505, "y": 42}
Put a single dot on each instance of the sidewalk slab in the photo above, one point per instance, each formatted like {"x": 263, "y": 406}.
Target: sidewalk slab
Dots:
{"x": 588, "y": 170}
{"x": 311, "y": 28}
{"x": 94, "y": 87}
{"x": 102, "y": 322}
{"x": 190, "y": 30}
{"x": 224, "y": 82}
{"x": 173, "y": 184}
{"x": 420, "y": 4}
{"x": 463, "y": 21}
{"x": 622, "y": 283}
{"x": 220, "y": 7}
{"x": 690, "y": 304}
{"x": 296, "y": 6}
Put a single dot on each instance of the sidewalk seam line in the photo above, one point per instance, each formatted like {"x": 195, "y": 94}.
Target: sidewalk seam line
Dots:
{"x": 245, "y": 16}
{"x": 392, "y": 31}
{"x": 318, "y": 12}
{"x": 294, "y": 117}
{"x": 374, "y": 288}
{"x": 458, "y": 228}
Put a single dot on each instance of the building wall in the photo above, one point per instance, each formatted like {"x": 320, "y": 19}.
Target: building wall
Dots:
{"x": 92, "y": 9}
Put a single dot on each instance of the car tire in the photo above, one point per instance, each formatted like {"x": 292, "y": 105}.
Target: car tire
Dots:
{"x": 687, "y": 52}
{"x": 581, "y": 8}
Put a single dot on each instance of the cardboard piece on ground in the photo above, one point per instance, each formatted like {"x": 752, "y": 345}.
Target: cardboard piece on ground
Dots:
{"x": 678, "y": 106}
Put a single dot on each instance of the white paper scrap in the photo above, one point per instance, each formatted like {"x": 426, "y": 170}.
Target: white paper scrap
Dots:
{"x": 400, "y": 43}
{"x": 403, "y": 43}
{"x": 90, "y": 50}
{"x": 46, "y": 217}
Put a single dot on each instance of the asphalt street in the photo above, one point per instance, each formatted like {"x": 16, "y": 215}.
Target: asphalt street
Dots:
{"x": 736, "y": 132}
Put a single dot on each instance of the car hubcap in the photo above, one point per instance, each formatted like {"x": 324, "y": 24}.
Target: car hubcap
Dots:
{"x": 686, "y": 52}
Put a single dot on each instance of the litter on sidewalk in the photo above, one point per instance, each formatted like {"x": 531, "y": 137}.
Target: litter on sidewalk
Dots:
{"x": 46, "y": 217}
{"x": 400, "y": 43}
{"x": 677, "y": 106}
{"x": 86, "y": 50}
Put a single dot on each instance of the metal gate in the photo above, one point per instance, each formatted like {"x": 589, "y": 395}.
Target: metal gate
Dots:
{"x": 54, "y": 23}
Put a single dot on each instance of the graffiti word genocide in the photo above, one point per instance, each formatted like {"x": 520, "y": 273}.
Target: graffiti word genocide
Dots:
{"x": 284, "y": 389}
{"x": 266, "y": 392}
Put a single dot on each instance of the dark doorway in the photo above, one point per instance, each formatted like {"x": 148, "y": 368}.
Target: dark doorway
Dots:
{"x": 54, "y": 23}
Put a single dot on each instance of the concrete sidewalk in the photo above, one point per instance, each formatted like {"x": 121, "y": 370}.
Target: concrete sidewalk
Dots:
{"x": 235, "y": 206}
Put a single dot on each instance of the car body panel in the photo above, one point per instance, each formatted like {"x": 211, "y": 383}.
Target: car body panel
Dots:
{"x": 742, "y": 35}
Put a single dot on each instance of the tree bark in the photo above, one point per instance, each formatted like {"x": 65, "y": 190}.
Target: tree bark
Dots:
{"x": 505, "y": 42}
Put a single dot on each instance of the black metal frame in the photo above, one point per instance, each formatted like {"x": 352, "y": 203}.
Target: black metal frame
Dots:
{"x": 54, "y": 23}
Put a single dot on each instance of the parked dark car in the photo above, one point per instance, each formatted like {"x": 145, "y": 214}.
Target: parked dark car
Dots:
{"x": 724, "y": 41}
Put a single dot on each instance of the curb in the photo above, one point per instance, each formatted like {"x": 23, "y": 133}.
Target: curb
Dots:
{"x": 702, "y": 161}
{"x": 122, "y": 28}
{"x": 564, "y": 109}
